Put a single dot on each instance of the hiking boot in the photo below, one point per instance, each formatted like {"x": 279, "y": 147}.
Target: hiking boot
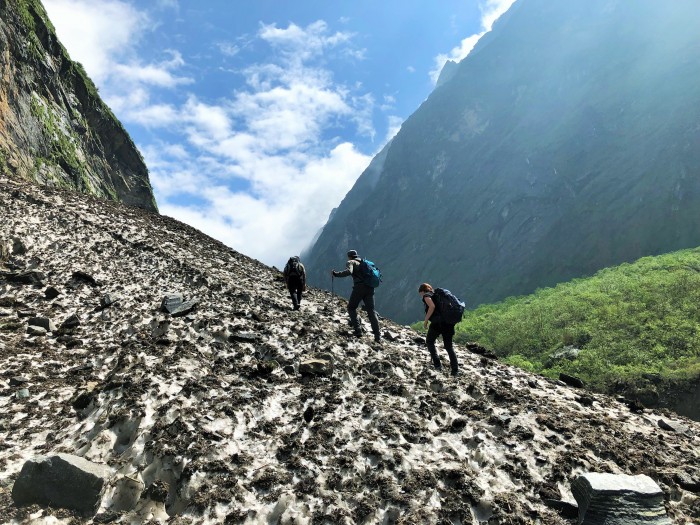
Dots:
{"x": 377, "y": 338}
{"x": 357, "y": 333}
{"x": 454, "y": 372}
{"x": 297, "y": 306}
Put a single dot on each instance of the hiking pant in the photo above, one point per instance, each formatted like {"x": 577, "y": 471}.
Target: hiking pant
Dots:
{"x": 364, "y": 293}
{"x": 447, "y": 331}
{"x": 295, "y": 287}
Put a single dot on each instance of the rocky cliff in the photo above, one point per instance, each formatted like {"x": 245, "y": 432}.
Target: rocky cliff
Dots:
{"x": 54, "y": 128}
{"x": 174, "y": 371}
{"x": 567, "y": 141}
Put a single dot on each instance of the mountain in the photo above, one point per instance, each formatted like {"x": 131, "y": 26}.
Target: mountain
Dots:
{"x": 237, "y": 409}
{"x": 54, "y": 127}
{"x": 566, "y": 142}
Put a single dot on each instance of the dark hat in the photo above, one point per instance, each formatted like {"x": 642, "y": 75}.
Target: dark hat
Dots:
{"x": 352, "y": 253}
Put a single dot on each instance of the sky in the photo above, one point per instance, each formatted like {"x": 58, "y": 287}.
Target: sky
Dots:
{"x": 256, "y": 117}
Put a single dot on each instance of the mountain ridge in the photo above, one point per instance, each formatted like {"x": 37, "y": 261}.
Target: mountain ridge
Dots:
{"x": 563, "y": 144}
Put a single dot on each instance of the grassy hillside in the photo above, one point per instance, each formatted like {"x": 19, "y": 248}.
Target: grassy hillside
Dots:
{"x": 628, "y": 322}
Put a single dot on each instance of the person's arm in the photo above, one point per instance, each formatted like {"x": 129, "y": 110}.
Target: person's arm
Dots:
{"x": 348, "y": 270}
{"x": 429, "y": 312}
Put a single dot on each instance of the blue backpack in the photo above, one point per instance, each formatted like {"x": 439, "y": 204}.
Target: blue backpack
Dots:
{"x": 449, "y": 307}
{"x": 369, "y": 273}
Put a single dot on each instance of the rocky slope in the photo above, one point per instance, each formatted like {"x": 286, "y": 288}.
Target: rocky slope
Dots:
{"x": 564, "y": 143}
{"x": 217, "y": 414}
{"x": 54, "y": 128}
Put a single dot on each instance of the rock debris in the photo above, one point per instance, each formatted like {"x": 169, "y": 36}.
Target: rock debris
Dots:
{"x": 238, "y": 409}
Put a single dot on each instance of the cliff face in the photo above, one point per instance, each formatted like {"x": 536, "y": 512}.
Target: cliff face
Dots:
{"x": 54, "y": 128}
{"x": 567, "y": 141}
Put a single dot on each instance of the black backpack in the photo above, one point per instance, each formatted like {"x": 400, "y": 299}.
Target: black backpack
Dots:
{"x": 293, "y": 268}
{"x": 449, "y": 307}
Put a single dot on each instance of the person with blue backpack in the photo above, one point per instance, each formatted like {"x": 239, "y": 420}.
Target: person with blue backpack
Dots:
{"x": 365, "y": 278}
{"x": 443, "y": 310}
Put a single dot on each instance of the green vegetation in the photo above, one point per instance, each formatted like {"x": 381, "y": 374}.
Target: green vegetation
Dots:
{"x": 627, "y": 321}
{"x": 63, "y": 150}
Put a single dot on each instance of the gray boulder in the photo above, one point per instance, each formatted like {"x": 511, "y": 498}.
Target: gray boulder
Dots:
{"x": 619, "y": 499}
{"x": 175, "y": 305}
{"x": 42, "y": 322}
{"x": 316, "y": 367}
{"x": 62, "y": 480}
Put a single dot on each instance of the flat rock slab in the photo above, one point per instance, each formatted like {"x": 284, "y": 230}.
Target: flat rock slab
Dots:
{"x": 619, "y": 499}
{"x": 316, "y": 367}
{"x": 175, "y": 305}
{"x": 61, "y": 480}
{"x": 27, "y": 277}
{"x": 675, "y": 426}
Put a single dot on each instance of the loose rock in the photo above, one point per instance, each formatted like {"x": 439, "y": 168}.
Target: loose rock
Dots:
{"x": 619, "y": 499}
{"x": 62, "y": 480}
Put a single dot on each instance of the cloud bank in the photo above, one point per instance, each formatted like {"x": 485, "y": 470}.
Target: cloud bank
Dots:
{"x": 259, "y": 169}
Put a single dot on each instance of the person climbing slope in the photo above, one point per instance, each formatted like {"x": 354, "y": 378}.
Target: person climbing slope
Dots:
{"x": 365, "y": 278}
{"x": 443, "y": 311}
{"x": 295, "y": 277}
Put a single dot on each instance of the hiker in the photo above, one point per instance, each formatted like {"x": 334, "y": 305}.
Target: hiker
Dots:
{"x": 438, "y": 326}
{"x": 295, "y": 277}
{"x": 361, "y": 291}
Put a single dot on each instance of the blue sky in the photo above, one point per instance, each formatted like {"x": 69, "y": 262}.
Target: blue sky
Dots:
{"x": 256, "y": 117}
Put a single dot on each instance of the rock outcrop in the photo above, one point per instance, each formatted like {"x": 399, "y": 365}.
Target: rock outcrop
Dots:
{"x": 246, "y": 411}
{"x": 563, "y": 144}
{"x": 54, "y": 127}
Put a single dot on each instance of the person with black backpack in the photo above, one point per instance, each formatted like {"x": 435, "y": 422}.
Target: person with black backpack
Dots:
{"x": 443, "y": 310}
{"x": 365, "y": 278}
{"x": 295, "y": 277}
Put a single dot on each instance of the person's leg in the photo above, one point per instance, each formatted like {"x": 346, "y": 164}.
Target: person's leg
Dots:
{"x": 300, "y": 290}
{"x": 433, "y": 334}
{"x": 297, "y": 294}
{"x": 371, "y": 313}
{"x": 353, "y": 303}
{"x": 448, "y": 332}
{"x": 292, "y": 293}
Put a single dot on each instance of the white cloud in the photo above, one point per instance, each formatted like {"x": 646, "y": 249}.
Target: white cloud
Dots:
{"x": 257, "y": 168}
{"x": 105, "y": 48}
{"x": 89, "y": 32}
{"x": 228, "y": 49}
{"x": 491, "y": 10}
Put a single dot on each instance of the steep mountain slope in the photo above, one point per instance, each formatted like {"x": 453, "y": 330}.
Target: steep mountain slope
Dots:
{"x": 567, "y": 141}
{"x": 213, "y": 414}
{"x": 54, "y": 128}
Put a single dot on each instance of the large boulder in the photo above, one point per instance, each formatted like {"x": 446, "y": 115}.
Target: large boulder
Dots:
{"x": 61, "y": 480}
{"x": 619, "y": 499}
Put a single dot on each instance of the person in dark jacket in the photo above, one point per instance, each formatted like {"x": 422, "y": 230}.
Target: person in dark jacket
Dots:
{"x": 360, "y": 292}
{"x": 438, "y": 327}
{"x": 295, "y": 277}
